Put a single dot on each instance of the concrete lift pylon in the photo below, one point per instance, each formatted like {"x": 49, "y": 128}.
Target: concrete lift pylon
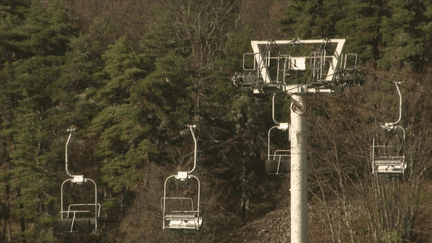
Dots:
{"x": 328, "y": 74}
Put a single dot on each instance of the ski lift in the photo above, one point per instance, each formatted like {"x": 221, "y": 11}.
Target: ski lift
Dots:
{"x": 77, "y": 217}
{"x": 179, "y": 213}
{"x": 277, "y": 162}
{"x": 277, "y": 68}
{"x": 388, "y": 147}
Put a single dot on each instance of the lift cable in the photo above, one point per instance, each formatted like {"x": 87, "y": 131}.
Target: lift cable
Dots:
{"x": 360, "y": 106}
{"x": 402, "y": 86}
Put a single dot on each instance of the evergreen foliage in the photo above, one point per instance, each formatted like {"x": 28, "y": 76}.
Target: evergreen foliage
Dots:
{"x": 308, "y": 19}
{"x": 37, "y": 40}
{"x": 359, "y": 23}
{"x": 404, "y": 35}
{"x": 131, "y": 101}
{"x": 391, "y": 33}
{"x": 12, "y": 16}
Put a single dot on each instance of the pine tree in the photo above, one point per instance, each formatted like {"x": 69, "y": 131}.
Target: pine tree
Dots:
{"x": 12, "y": 16}
{"x": 311, "y": 19}
{"x": 360, "y": 25}
{"x": 233, "y": 124}
{"x": 123, "y": 123}
{"x": 404, "y": 36}
{"x": 39, "y": 40}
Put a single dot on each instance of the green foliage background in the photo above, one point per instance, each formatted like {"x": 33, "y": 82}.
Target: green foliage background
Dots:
{"x": 130, "y": 75}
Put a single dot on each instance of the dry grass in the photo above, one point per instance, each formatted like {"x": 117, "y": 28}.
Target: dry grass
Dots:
{"x": 275, "y": 226}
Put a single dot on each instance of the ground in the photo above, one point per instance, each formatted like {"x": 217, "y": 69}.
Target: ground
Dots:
{"x": 274, "y": 227}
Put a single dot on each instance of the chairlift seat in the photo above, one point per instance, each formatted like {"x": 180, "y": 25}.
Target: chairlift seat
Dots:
{"x": 78, "y": 225}
{"x": 279, "y": 162}
{"x": 183, "y": 220}
{"x": 187, "y": 221}
{"x": 394, "y": 165}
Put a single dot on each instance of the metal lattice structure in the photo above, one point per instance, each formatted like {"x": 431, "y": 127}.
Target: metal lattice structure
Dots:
{"x": 298, "y": 68}
{"x": 283, "y": 66}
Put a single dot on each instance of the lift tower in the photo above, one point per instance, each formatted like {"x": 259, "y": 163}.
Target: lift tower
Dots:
{"x": 298, "y": 68}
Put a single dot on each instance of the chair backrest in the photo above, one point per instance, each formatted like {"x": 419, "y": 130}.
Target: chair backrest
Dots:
{"x": 173, "y": 208}
{"x": 79, "y": 212}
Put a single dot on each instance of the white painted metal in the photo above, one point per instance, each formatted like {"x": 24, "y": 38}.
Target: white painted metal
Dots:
{"x": 190, "y": 219}
{"x": 66, "y": 214}
{"x": 298, "y": 63}
{"x": 297, "y": 132}
{"x": 298, "y": 176}
{"x": 183, "y": 175}
{"x": 71, "y": 131}
{"x": 389, "y": 163}
{"x": 391, "y": 124}
{"x": 297, "y": 128}
{"x": 183, "y": 220}
{"x": 259, "y": 56}
{"x": 195, "y": 147}
{"x": 78, "y": 179}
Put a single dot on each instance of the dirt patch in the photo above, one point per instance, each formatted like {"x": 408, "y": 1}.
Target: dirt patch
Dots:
{"x": 274, "y": 227}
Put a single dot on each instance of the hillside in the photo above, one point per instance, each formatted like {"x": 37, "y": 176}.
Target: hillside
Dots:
{"x": 275, "y": 225}
{"x": 130, "y": 76}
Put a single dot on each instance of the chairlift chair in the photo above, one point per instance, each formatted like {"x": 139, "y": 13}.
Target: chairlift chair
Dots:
{"x": 388, "y": 151}
{"x": 388, "y": 146}
{"x": 180, "y": 218}
{"x": 183, "y": 218}
{"x": 77, "y": 217}
{"x": 277, "y": 162}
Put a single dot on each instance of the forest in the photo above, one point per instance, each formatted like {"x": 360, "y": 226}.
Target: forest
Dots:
{"x": 130, "y": 76}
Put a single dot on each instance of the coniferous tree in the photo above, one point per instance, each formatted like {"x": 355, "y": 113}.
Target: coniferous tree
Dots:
{"x": 404, "y": 31}
{"x": 311, "y": 19}
{"x": 360, "y": 24}
{"x": 137, "y": 108}
{"x": 391, "y": 33}
{"x": 39, "y": 41}
{"x": 117, "y": 121}
{"x": 12, "y": 15}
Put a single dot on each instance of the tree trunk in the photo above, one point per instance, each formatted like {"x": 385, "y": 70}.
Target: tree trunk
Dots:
{"x": 22, "y": 221}
{"x": 245, "y": 198}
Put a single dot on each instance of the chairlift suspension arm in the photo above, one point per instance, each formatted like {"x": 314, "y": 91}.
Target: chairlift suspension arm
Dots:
{"x": 391, "y": 125}
{"x": 273, "y": 116}
{"x": 400, "y": 102}
{"x": 195, "y": 147}
{"x": 268, "y": 141}
{"x": 279, "y": 125}
{"x": 70, "y": 130}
